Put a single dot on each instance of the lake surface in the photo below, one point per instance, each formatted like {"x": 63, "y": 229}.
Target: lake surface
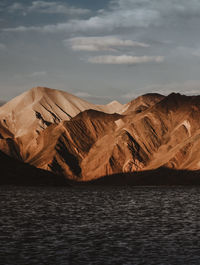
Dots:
{"x": 99, "y": 225}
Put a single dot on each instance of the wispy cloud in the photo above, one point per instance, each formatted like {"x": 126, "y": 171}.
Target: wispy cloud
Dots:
{"x": 104, "y": 23}
{"x": 33, "y": 75}
{"x": 38, "y": 74}
{"x": 16, "y": 7}
{"x": 125, "y": 59}
{"x": 122, "y": 14}
{"x": 21, "y": 29}
{"x": 48, "y": 8}
{"x": 108, "y": 43}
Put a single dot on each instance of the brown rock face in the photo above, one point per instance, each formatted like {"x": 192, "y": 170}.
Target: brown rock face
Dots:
{"x": 142, "y": 103}
{"x": 61, "y": 148}
{"x": 27, "y": 115}
{"x": 150, "y": 132}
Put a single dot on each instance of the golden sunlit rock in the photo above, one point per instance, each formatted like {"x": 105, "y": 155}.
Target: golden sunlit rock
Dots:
{"x": 59, "y": 132}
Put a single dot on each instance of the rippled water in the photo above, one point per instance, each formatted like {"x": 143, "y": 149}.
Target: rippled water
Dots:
{"x": 147, "y": 225}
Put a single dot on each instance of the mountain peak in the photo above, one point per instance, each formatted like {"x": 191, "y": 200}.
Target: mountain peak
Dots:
{"x": 37, "y": 108}
{"x": 42, "y": 128}
{"x": 39, "y": 90}
{"x": 114, "y": 102}
{"x": 143, "y": 102}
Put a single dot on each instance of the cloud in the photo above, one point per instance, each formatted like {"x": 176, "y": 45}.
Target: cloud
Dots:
{"x": 108, "y": 43}
{"x": 32, "y": 75}
{"x": 16, "y": 7}
{"x": 106, "y": 22}
{"x": 38, "y": 74}
{"x": 56, "y": 8}
{"x": 121, "y": 15}
{"x": 125, "y": 59}
{"x": 48, "y": 8}
{"x": 21, "y": 29}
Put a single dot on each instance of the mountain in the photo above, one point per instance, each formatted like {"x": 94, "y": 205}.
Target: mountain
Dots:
{"x": 63, "y": 147}
{"x": 164, "y": 134}
{"x": 2, "y": 102}
{"x": 112, "y": 107}
{"x": 141, "y": 103}
{"x": 30, "y": 113}
{"x": 162, "y": 176}
{"x": 19, "y": 173}
{"x": 152, "y": 133}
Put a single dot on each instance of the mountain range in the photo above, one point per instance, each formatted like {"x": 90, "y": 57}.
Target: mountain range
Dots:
{"x": 55, "y": 131}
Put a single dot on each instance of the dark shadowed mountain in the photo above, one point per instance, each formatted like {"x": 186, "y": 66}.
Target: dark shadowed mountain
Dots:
{"x": 2, "y": 102}
{"x": 16, "y": 172}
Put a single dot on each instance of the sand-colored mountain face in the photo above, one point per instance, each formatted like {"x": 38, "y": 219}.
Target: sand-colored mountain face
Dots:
{"x": 61, "y": 148}
{"x": 164, "y": 134}
{"x": 141, "y": 103}
{"x": 30, "y": 113}
{"x": 150, "y": 132}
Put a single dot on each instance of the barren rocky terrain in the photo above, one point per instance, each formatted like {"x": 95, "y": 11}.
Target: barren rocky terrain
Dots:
{"x": 58, "y": 132}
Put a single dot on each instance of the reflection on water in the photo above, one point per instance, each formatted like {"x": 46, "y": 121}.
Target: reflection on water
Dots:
{"x": 97, "y": 225}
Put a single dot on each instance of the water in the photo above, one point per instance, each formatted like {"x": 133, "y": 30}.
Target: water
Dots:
{"x": 129, "y": 225}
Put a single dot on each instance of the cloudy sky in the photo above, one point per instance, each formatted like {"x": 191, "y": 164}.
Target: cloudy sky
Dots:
{"x": 100, "y": 50}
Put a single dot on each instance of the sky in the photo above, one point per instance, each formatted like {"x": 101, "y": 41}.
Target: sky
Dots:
{"x": 100, "y": 50}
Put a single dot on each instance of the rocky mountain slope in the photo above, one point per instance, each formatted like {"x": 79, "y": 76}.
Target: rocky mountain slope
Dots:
{"x": 148, "y": 133}
{"x": 19, "y": 173}
{"x": 30, "y": 113}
